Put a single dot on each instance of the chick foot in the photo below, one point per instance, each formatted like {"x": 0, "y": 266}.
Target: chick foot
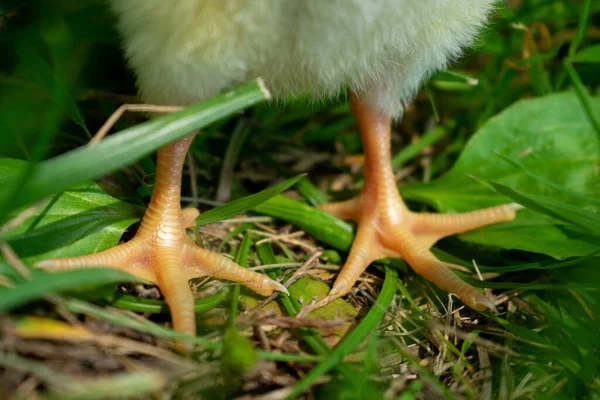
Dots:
{"x": 162, "y": 253}
{"x": 386, "y": 228}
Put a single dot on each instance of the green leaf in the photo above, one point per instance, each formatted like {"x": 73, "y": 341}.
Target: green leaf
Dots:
{"x": 584, "y": 97}
{"x": 590, "y": 54}
{"x": 152, "y": 306}
{"x": 415, "y": 148}
{"x": 46, "y": 79}
{"x": 43, "y": 283}
{"x": 523, "y": 332}
{"x": 57, "y": 174}
{"x": 557, "y": 209}
{"x": 552, "y": 138}
{"x": 239, "y": 206}
{"x": 82, "y": 220}
{"x": 354, "y": 338}
{"x": 319, "y": 224}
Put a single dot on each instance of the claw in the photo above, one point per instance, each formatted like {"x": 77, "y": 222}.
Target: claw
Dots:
{"x": 278, "y": 287}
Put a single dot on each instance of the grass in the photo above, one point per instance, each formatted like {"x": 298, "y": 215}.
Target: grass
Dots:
{"x": 516, "y": 118}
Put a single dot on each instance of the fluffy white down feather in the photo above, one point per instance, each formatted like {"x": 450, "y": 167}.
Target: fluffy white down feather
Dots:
{"x": 186, "y": 50}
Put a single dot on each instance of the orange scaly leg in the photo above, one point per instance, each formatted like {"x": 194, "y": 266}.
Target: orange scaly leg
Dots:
{"x": 386, "y": 228}
{"x": 162, "y": 253}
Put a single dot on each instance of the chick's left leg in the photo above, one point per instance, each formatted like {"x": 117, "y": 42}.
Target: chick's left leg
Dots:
{"x": 386, "y": 228}
{"x": 162, "y": 253}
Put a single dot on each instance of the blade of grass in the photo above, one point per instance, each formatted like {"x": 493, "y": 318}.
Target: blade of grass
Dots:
{"x": 542, "y": 265}
{"x": 436, "y": 115}
{"x": 556, "y": 209}
{"x": 413, "y": 149}
{"x": 240, "y": 229}
{"x": 354, "y": 338}
{"x": 44, "y": 283}
{"x": 310, "y": 192}
{"x": 590, "y": 54}
{"x": 240, "y": 258}
{"x": 36, "y": 368}
{"x": 239, "y": 206}
{"x": 582, "y": 24}
{"x": 146, "y": 326}
{"x": 319, "y": 224}
{"x": 236, "y": 142}
{"x": 538, "y": 75}
{"x": 117, "y": 386}
{"x": 133, "y": 303}
{"x": 583, "y": 95}
{"x": 46, "y": 79}
{"x": 57, "y": 174}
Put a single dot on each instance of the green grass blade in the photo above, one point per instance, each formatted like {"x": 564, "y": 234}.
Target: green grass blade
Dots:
{"x": 319, "y": 224}
{"x": 130, "y": 145}
{"x": 146, "y": 326}
{"x": 239, "y": 354}
{"x": 239, "y": 206}
{"x": 46, "y": 283}
{"x": 237, "y": 140}
{"x": 240, "y": 258}
{"x": 556, "y": 209}
{"x": 310, "y": 192}
{"x": 590, "y": 54}
{"x": 432, "y": 102}
{"x": 582, "y": 25}
{"x": 152, "y": 306}
{"x": 583, "y": 95}
{"x": 413, "y": 149}
{"x": 117, "y": 386}
{"x": 47, "y": 80}
{"x": 355, "y": 338}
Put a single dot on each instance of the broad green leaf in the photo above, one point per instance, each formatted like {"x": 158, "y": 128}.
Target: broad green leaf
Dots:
{"x": 44, "y": 283}
{"x": 551, "y": 137}
{"x": 590, "y": 54}
{"x": 239, "y": 206}
{"x": 82, "y": 220}
{"x": 59, "y": 173}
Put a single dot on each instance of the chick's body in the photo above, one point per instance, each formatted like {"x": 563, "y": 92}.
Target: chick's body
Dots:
{"x": 184, "y": 51}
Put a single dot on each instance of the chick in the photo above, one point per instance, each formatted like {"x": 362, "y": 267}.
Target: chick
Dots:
{"x": 379, "y": 50}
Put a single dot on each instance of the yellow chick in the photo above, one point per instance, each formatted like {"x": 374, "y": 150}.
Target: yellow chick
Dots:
{"x": 379, "y": 50}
